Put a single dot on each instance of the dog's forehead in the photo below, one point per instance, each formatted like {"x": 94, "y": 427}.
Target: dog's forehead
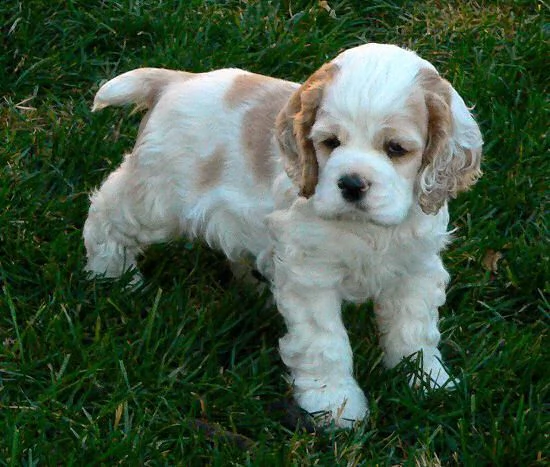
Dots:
{"x": 374, "y": 79}
{"x": 381, "y": 59}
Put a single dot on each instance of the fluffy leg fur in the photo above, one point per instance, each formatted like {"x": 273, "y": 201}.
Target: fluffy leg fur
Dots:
{"x": 407, "y": 317}
{"x": 316, "y": 348}
{"x": 128, "y": 213}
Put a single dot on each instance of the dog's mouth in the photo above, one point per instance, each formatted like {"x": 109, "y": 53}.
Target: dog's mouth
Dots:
{"x": 356, "y": 212}
{"x": 360, "y": 212}
{"x": 359, "y": 208}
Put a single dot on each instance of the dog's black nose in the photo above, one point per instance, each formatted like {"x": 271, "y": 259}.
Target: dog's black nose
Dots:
{"x": 353, "y": 187}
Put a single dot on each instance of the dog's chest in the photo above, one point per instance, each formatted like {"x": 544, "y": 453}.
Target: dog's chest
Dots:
{"x": 358, "y": 258}
{"x": 373, "y": 259}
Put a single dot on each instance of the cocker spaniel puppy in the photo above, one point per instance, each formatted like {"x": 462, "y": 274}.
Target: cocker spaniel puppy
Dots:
{"x": 336, "y": 188}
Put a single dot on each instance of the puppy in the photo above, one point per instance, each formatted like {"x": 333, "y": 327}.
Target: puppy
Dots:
{"x": 335, "y": 190}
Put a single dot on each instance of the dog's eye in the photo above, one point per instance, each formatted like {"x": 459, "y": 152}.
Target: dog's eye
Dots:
{"x": 331, "y": 143}
{"x": 394, "y": 149}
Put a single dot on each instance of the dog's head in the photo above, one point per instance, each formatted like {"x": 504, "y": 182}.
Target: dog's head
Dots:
{"x": 375, "y": 131}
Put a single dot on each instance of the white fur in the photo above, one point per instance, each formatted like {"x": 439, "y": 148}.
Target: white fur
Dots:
{"x": 316, "y": 252}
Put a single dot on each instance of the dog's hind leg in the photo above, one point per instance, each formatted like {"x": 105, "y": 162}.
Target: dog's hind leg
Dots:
{"x": 128, "y": 213}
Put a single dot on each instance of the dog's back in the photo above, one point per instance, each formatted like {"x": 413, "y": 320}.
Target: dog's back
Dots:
{"x": 197, "y": 164}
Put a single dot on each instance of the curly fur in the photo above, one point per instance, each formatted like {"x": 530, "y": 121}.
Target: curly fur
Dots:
{"x": 452, "y": 157}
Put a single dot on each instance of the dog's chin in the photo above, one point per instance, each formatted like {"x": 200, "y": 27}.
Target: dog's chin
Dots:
{"x": 358, "y": 212}
{"x": 387, "y": 221}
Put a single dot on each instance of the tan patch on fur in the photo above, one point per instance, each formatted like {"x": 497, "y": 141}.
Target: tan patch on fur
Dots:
{"x": 413, "y": 119}
{"x": 161, "y": 79}
{"x": 210, "y": 170}
{"x": 244, "y": 88}
{"x": 258, "y": 127}
{"x": 294, "y": 125}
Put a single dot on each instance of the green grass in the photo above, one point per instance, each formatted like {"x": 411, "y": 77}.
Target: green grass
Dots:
{"x": 91, "y": 373}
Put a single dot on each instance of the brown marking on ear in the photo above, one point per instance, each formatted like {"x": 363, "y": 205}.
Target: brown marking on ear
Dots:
{"x": 438, "y": 102}
{"x": 245, "y": 87}
{"x": 452, "y": 155}
{"x": 294, "y": 124}
{"x": 437, "y": 95}
{"x": 210, "y": 169}
{"x": 416, "y": 113}
{"x": 257, "y": 129}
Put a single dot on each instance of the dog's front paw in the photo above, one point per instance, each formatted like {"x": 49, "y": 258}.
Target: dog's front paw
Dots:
{"x": 343, "y": 403}
{"x": 432, "y": 376}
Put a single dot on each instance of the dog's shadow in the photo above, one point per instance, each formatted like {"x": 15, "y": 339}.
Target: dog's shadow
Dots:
{"x": 194, "y": 265}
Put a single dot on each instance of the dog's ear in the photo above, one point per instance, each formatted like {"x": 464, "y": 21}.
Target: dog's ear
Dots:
{"x": 293, "y": 127}
{"x": 451, "y": 159}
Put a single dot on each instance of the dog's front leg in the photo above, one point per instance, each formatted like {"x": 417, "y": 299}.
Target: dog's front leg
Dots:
{"x": 316, "y": 347}
{"x": 407, "y": 316}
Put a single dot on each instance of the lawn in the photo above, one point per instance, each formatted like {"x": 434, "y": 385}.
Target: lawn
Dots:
{"x": 186, "y": 370}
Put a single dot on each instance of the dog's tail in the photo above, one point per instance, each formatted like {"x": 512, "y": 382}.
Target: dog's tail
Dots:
{"x": 142, "y": 86}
